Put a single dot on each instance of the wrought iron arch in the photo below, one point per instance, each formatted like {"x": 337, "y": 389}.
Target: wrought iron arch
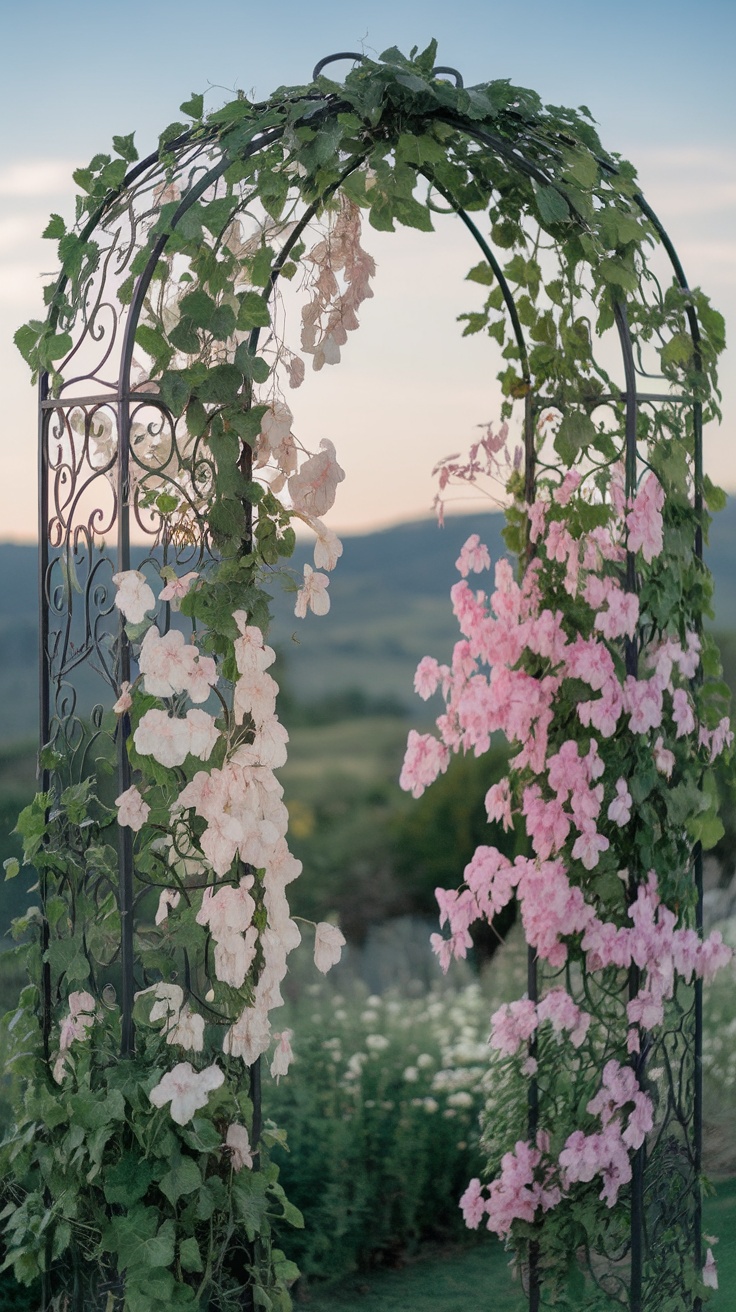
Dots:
{"x": 113, "y": 445}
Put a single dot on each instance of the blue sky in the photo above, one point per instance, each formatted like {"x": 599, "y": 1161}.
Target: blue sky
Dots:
{"x": 658, "y": 78}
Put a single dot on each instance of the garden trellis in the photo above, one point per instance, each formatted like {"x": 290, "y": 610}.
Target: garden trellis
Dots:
{"x": 161, "y": 367}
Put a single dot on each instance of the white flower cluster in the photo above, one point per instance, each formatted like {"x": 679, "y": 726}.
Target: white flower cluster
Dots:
{"x": 240, "y": 802}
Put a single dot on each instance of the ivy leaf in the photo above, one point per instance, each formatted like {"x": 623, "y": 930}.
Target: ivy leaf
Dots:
{"x": 552, "y": 206}
{"x": 175, "y": 390}
{"x": 182, "y": 1178}
{"x": 154, "y": 344}
{"x": 576, "y": 432}
{"x": 482, "y": 273}
{"x": 253, "y": 312}
{"x": 251, "y": 366}
{"x": 55, "y": 228}
{"x": 185, "y": 336}
{"x": 128, "y": 1180}
{"x": 251, "y": 1201}
{"x": 193, "y": 108}
{"x": 199, "y": 307}
{"x": 260, "y": 269}
{"x": 678, "y": 351}
{"x": 189, "y": 1255}
{"x": 222, "y": 384}
{"x": 124, "y": 146}
{"x": 138, "y": 1240}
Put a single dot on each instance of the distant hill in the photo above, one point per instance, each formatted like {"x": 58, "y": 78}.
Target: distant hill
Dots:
{"x": 390, "y": 606}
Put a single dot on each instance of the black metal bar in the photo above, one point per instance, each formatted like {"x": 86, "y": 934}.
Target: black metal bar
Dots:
{"x": 44, "y": 726}
{"x": 124, "y": 833}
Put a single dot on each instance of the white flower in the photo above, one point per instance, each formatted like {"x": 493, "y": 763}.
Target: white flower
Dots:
{"x": 186, "y": 1089}
{"x": 187, "y": 1030}
{"x": 132, "y": 810}
{"x": 238, "y": 1142}
{"x": 168, "y": 898}
{"x": 249, "y": 1036}
{"x": 376, "y": 1042}
{"x": 328, "y": 946}
{"x": 283, "y": 1055}
{"x": 411, "y": 1074}
{"x": 134, "y": 596}
{"x": 312, "y": 594}
{"x": 710, "y": 1273}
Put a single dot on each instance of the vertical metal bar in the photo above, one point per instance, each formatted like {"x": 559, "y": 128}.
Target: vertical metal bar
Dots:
{"x": 44, "y": 418}
{"x": 532, "y": 970}
{"x": 631, "y": 660}
{"x": 698, "y": 874}
{"x": 125, "y": 836}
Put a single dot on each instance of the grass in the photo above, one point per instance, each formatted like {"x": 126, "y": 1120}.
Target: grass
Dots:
{"x": 480, "y": 1278}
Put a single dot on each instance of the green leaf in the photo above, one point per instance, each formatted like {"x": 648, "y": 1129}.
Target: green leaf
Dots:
{"x": 189, "y": 1255}
{"x": 124, "y": 146}
{"x": 247, "y": 423}
{"x": 128, "y": 1180}
{"x": 11, "y": 866}
{"x": 251, "y": 366}
{"x": 222, "y": 384}
{"x": 481, "y": 273}
{"x": 154, "y": 344}
{"x": 194, "y": 108}
{"x": 552, "y": 206}
{"x": 55, "y": 228}
{"x": 138, "y": 1240}
{"x": 183, "y": 1177}
{"x": 621, "y": 275}
{"x": 576, "y": 432}
{"x": 678, "y": 351}
{"x": 253, "y": 312}
{"x": 175, "y": 390}
{"x": 251, "y": 1201}
{"x": 201, "y": 1136}
{"x": 185, "y": 336}
{"x": 199, "y": 307}
{"x": 260, "y": 269}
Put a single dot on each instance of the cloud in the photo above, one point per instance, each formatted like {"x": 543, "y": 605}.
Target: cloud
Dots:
{"x": 36, "y": 177}
{"x": 21, "y": 286}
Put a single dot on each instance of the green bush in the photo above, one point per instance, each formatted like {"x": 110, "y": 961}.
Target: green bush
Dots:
{"x": 381, "y": 1112}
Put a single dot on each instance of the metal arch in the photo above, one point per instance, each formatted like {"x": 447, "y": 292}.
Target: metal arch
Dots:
{"x": 517, "y": 159}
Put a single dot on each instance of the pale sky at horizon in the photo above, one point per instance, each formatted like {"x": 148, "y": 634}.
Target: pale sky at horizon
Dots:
{"x": 657, "y": 77}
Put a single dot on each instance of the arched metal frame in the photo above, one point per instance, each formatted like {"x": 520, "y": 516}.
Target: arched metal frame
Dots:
{"x": 83, "y": 641}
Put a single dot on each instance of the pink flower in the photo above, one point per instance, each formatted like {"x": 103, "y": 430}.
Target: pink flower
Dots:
{"x": 512, "y": 1025}
{"x": 589, "y": 845}
{"x": 312, "y": 594}
{"x": 313, "y": 488}
{"x": 132, "y": 810}
{"x": 134, "y": 597}
{"x": 473, "y": 1204}
{"x": 186, "y": 1089}
{"x": 621, "y": 618}
{"x": 682, "y": 712}
{"x": 328, "y": 946}
{"x": 249, "y": 1036}
{"x": 643, "y": 701}
{"x": 620, "y": 809}
{"x": 498, "y": 803}
{"x": 663, "y": 759}
{"x": 644, "y": 520}
{"x": 425, "y": 758}
{"x": 427, "y": 677}
{"x": 473, "y": 556}
{"x": 124, "y": 701}
{"x": 177, "y": 588}
{"x": 569, "y": 484}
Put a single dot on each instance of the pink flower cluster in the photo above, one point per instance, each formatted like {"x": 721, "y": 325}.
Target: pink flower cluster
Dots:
{"x": 568, "y": 617}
